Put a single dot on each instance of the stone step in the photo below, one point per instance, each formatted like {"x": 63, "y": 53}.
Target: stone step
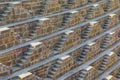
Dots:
{"x": 20, "y": 64}
{"x": 84, "y": 53}
{"x": 28, "y": 53}
{"x": 49, "y": 75}
{"x": 102, "y": 68}
{"x": 57, "y": 65}
{"x": 54, "y": 69}
{"x": 59, "y": 62}
{"x": 52, "y": 72}
{"x": 104, "y": 63}
{"x": 26, "y": 57}
{"x": 23, "y": 60}
{"x": 14, "y": 69}
{"x": 55, "y": 51}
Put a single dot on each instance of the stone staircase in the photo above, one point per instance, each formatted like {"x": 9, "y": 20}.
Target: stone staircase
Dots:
{"x": 91, "y": 11}
{"x": 87, "y": 32}
{"x": 66, "y": 20}
{"x": 82, "y": 75}
{"x": 83, "y": 55}
{"x": 60, "y": 43}
{"x": 5, "y": 12}
{"x": 54, "y": 69}
{"x": 109, "y": 5}
{"x": 105, "y": 42}
{"x": 107, "y": 22}
{"x": 33, "y": 32}
{"x": 104, "y": 63}
{"x": 25, "y": 57}
{"x": 43, "y": 6}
